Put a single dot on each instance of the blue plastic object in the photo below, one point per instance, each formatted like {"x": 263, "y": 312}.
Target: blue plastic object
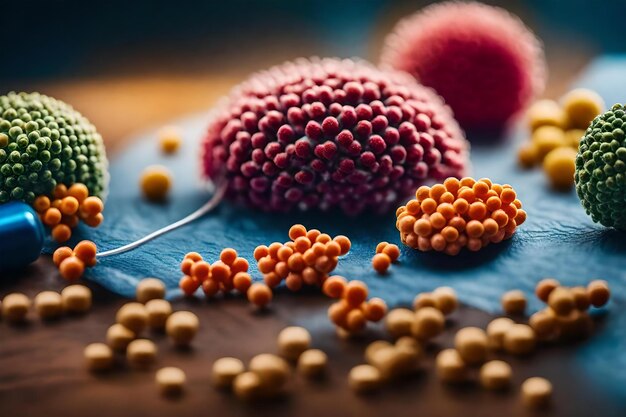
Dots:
{"x": 21, "y": 235}
{"x": 558, "y": 240}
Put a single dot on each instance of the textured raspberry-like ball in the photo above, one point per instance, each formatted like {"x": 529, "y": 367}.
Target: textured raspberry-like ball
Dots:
{"x": 326, "y": 133}
{"x": 481, "y": 59}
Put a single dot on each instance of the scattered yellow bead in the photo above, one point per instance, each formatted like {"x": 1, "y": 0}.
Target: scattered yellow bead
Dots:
{"x": 559, "y": 166}
{"x": 581, "y": 106}
{"x": 546, "y": 113}
{"x": 170, "y": 139}
{"x": 156, "y": 182}
{"x": 547, "y": 138}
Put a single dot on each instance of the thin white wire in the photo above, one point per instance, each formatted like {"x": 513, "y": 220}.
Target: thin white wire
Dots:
{"x": 215, "y": 199}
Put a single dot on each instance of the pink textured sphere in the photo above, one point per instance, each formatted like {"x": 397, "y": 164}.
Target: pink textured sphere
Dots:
{"x": 326, "y": 133}
{"x": 481, "y": 59}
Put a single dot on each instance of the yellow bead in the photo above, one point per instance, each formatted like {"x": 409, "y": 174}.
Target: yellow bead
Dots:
{"x": 559, "y": 166}
{"x": 546, "y": 113}
{"x": 169, "y": 139}
{"x": 581, "y": 106}
{"x": 155, "y": 183}
{"x": 547, "y": 138}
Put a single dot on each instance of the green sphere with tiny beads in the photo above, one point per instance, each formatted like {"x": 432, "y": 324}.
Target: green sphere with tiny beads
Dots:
{"x": 601, "y": 169}
{"x": 45, "y": 142}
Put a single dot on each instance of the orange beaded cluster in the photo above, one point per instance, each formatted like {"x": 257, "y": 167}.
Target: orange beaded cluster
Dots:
{"x": 353, "y": 310}
{"x": 459, "y": 213}
{"x": 307, "y": 259}
{"x": 230, "y": 272}
{"x": 67, "y": 208}
{"x": 72, "y": 262}
{"x": 386, "y": 254}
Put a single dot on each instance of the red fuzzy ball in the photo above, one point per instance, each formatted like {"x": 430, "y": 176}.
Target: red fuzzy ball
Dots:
{"x": 326, "y": 133}
{"x": 481, "y": 59}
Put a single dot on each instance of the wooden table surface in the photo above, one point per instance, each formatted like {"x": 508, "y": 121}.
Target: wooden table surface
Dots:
{"x": 41, "y": 365}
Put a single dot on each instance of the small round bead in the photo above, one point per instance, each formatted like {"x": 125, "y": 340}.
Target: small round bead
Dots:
{"x": 224, "y": 372}
{"x": 141, "y": 353}
{"x": 61, "y": 254}
{"x": 15, "y": 307}
{"x": 559, "y": 166}
{"x": 344, "y": 242}
{"x": 546, "y": 113}
{"x": 520, "y": 339}
{"x": 149, "y": 289}
{"x": 48, "y": 305}
{"x": 375, "y": 309}
{"x": 118, "y": 337}
{"x": 76, "y": 299}
{"x": 381, "y": 262}
{"x": 393, "y": 251}
{"x": 334, "y": 286}
{"x": 79, "y": 191}
{"x": 536, "y": 392}
{"x": 543, "y": 323}
{"x": 355, "y": 293}
{"x": 446, "y": 300}
{"x": 425, "y": 299}
{"x": 450, "y": 367}
{"x": 133, "y": 316}
{"x": 562, "y": 301}
{"x": 513, "y": 302}
{"x": 273, "y": 370}
{"x": 292, "y": 341}
{"x": 92, "y": 206}
{"x": 86, "y": 251}
{"x": 98, "y": 357}
{"x": 259, "y": 294}
{"x": 496, "y": 375}
{"x": 181, "y": 327}
{"x": 581, "y": 106}
{"x": 155, "y": 183}
{"x": 364, "y": 379}
{"x": 312, "y": 363}
{"x": 170, "y": 380}
{"x": 429, "y": 322}
{"x": 248, "y": 386}
{"x": 496, "y": 330}
{"x": 399, "y": 322}
{"x": 72, "y": 268}
{"x": 69, "y": 206}
{"x": 599, "y": 293}
{"x": 158, "y": 312}
{"x": 170, "y": 139}
{"x": 545, "y": 287}
{"x": 472, "y": 344}
{"x": 581, "y": 297}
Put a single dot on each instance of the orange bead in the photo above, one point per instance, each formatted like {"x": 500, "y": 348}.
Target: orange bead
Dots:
{"x": 460, "y": 205}
{"x": 290, "y": 245}
{"x": 375, "y": 309}
{"x": 490, "y": 227}
{"x": 194, "y": 256}
{"x": 458, "y": 223}
{"x": 61, "y": 253}
{"x": 393, "y": 251}
{"x": 71, "y": 268}
{"x": 517, "y": 203}
{"x": 475, "y": 228}
{"x": 324, "y": 264}
{"x": 497, "y": 188}
{"x": 437, "y": 221}
{"x": 313, "y": 234}
{"x": 381, "y": 262}
{"x": 381, "y": 246}
{"x": 200, "y": 270}
{"x": 493, "y": 203}
{"x": 260, "y": 251}
{"x": 266, "y": 265}
{"x": 86, "y": 251}
{"x": 446, "y": 197}
{"x": 94, "y": 221}
{"x": 309, "y": 257}
{"x": 355, "y": 293}
{"x": 296, "y": 262}
{"x": 281, "y": 269}
{"x": 61, "y": 233}
{"x": 41, "y": 204}
{"x": 452, "y": 185}
{"x": 520, "y": 217}
{"x": 438, "y": 242}
{"x": 334, "y": 286}
{"x": 242, "y": 282}
{"x": 450, "y": 234}
{"x": 71, "y": 221}
{"x": 228, "y": 256}
{"x": 60, "y": 191}
{"x": 78, "y": 191}
{"x": 486, "y": 181}
{"x": 333, "y": 249}
{"x": 219, "y": 271}
{"x": 311, "y": 277}
{"x": 355, "y": 321}
{"x": 52, "y": 217}
{"x": 92, "y": 206}
{"x": 209, "y": 287}
{"x": 467, "y": 182}
{"x": 272, "y": 279}
{"x": 284, "y": 253}
{"x": 412, "y": 207}
{"x": 423, "y": 228}
{"x": 273, "y": 249}
{"x": 56, "y": 203}
{"x": 239, "y": 265}
{"x": 422, "y": 193}
{"x": 294, "y": 281}
{"x": 338, "y": 312}
{"x": 318, "y": 249}
{"x": 405, "y": 224}
{"x": 508, "y": 195}
{"x": 429, "y": 206}
{"x": 344, "y": 242}
{"x": 185, "y": 266}
{"x": 446, "y": 210}
{"x": 296, "y": 231}
{"x": 474, "y": 244}
{"x": 302, "y": 244}
{"x": 500, "y": 217}
{"x": 452, "y": 249}
{"x": 323, "y": 238}
{"x": 477, "y": 210}
{"x": 467, "y": 194}
{"x": 480, "y": 189}
{"x": 259, "y": 294}
{"x": 69, "y": 205}
{"x": 436, "y": 191}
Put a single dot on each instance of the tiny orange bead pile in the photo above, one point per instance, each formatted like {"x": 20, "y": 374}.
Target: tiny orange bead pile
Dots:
{"x": 67, "y": 208}
{"x": 353, "y": 310}
{"x": 459, "y": 213}
{"x": 386, "y": 254}
{"x": 72, "y": 262}
{"x": 307, "y": 259}
{"x": 230, "y": 272}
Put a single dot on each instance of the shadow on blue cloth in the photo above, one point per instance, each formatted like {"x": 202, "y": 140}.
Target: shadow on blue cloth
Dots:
{"x": 558, "y": 240}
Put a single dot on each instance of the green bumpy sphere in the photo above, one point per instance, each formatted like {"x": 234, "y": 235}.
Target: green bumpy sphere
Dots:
{"x": 601, "y": 169}
{"x": 45, "y": 142}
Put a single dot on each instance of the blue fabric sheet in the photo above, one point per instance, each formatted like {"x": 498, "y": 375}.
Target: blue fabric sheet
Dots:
{"x": 558, "y": 240}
